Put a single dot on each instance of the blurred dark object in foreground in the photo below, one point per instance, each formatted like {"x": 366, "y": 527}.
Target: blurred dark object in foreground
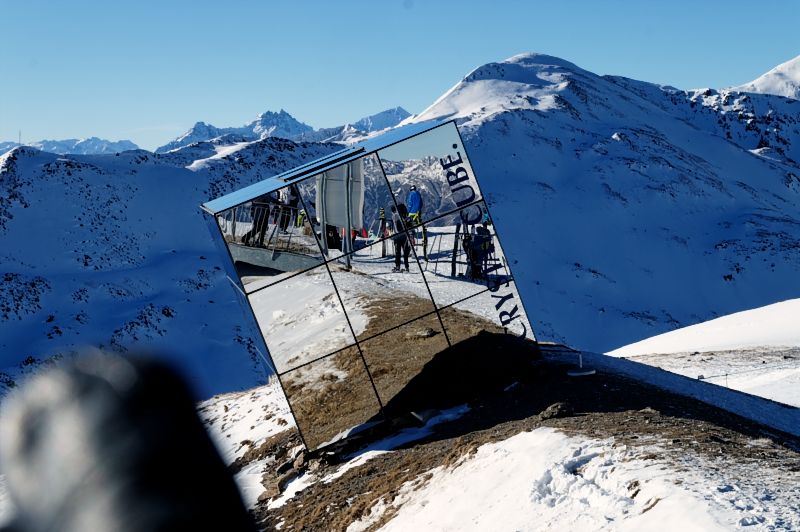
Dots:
{"x": 108, "y": 443}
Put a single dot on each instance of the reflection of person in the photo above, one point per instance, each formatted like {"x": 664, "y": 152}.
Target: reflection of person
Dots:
{"x": 382, "y": 231}
{"x": 289, "y": 201}
{"x": 332, "y": 237}
{"x": 400, "y": 237}
{"x": 414, "y": 200}
{"x": 259, "y": 209}
{"x": 479, "y": 247}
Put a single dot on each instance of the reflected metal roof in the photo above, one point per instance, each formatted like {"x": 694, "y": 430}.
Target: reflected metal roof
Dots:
{"x": 322, "y": 164}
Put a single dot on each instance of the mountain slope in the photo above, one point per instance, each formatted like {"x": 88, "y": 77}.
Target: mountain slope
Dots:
{"x": 783, "y": 80}
{"x": 632, "y": 209}
{"x": 756, "y": 351}
{"x": 112, "y": 251}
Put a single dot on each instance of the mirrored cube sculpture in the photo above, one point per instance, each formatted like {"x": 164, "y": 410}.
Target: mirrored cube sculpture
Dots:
{"x": 364, "y": 271}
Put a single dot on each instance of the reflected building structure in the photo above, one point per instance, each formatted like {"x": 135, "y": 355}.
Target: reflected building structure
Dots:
{"x": 313, "y": 254}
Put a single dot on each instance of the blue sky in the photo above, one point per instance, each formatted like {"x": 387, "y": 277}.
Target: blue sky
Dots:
{"x": 148, "y": 70}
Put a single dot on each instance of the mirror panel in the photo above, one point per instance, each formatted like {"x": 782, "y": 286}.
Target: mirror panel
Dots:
{"x": 377, "y": 295}
{"x": 498, "y": 310}
{"x": 464, "y": 255}
{"x": 331, "y": 397}
{"x": 395, "y": 357}
{"x": 301, "y": 318}
{"x": 270, "y": 238}
{"x": 435, "y": 164}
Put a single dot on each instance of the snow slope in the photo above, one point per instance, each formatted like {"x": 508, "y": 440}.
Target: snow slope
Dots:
{"x": 631, "y": 208}
{"x": 113, "y": 251}
{"x": 783, "y": 80}
{"x": 755, "y": 351}
{"x": 545, "y": 480}
{"x": 776, "y": 325}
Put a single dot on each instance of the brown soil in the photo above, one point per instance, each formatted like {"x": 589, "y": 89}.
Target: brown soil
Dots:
{"x": 601, "y": 406}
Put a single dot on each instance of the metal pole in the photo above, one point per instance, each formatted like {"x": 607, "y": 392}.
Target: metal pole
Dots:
{"x": 321, "y": 210}
{"x": 347, "y": 187}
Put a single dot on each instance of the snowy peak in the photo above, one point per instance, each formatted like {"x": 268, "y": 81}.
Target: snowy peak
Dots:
{"x": 382, "y": 120}
{"x": 783, "y": 80}
{"x": 284, "y": 125}
{"x": 528, "y": 68}
{"x": 267, "y": 124}
{"x": 526, "y": 81}
{"x": 280, "y": 124}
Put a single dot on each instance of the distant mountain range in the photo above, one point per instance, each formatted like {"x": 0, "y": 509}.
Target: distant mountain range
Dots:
{"x": 268, "y": 124}
{"x": 90, "y": 146}
{"x": 284, "y": 125}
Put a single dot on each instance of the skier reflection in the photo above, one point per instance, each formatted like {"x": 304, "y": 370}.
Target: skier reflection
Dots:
{"x": 400, "y": 236}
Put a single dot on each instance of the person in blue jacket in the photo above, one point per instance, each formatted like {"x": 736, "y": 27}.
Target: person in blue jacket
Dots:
{"x": 414, "y": 201}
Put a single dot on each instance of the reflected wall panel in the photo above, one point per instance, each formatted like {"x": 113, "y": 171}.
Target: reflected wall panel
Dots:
{"x": 435, "y": 163}
{"x": 396, "y": 357}
{"x": 301, "y": 319}
{"x": 496, "y": 311}
{"x": 464, "y": 256}
{"x": 375, "y": 297}
{"x": 330, "y": 397}
{"x": 268, "y": 240}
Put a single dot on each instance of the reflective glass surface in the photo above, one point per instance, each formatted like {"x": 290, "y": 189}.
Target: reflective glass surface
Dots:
{"x": 269, "y": 238}
{"x": 436, "y": 165}
{"x": 464, "y": 255}
{"x": 355, "y": 279}
{"x": 331, "y": 397}
{"x": 301, "y": 319}
{"x": 498, "y": 310}
{"x": 380, "y": 292}
{"x": 396, "y": 357}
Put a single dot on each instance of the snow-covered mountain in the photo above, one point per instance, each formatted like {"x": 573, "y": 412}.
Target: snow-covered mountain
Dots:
{"x": 90, "y": 146}
{"x": 632, "y": 208}
{"x": 283, "y": 125}
{"x": 112, "y": 251}
{"x": 267, "y": 124}
{"x": 783, "y": 80}
{"x": 382, "y": 120}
